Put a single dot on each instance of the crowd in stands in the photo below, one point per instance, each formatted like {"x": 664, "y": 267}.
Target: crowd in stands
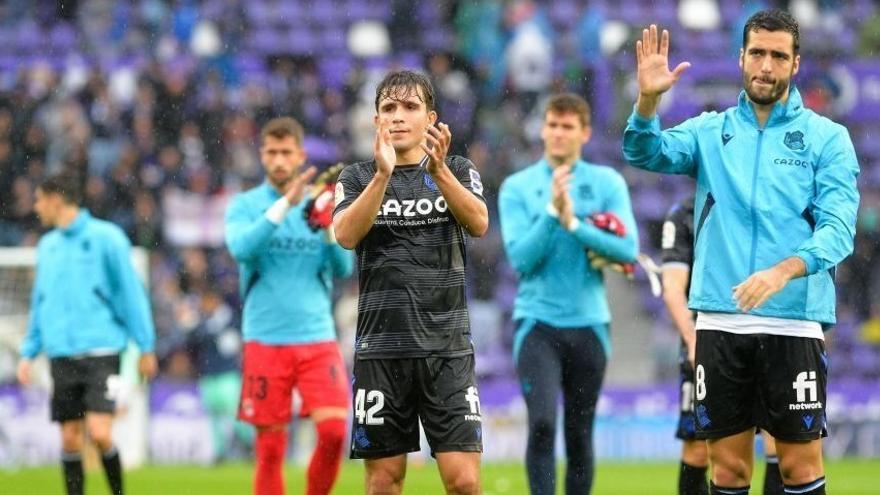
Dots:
{"x": 157, "y": 105}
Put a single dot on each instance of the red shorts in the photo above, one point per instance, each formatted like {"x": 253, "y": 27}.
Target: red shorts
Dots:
{"x": 270, "y": 373}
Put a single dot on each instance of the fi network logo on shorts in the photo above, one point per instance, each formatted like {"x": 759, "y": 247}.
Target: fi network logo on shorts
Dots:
{"x": 803, "y": 383}
{"x": 473, "y": 399}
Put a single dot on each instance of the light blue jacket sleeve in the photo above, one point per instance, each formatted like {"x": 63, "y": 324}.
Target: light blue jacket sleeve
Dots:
{"x": 130, "y": 296}
{"x": 33, "y": 341}
{"x": 340, "y": 259}
{"x": 625, "y": 248}
{"x": 246, "y": 236}
{"x": 835, "y": 206}
{"x": 670, "y": 152}
{"x": 527, "y": 241}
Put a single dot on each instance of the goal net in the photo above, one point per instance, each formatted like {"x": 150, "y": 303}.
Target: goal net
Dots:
{"x": 27, "y": 437}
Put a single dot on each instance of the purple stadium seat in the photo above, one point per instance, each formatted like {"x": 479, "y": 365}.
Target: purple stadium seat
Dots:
{"x": 410, "y": 60}
{"x": 438, "y": 38}
{"x": 334, "y": 70}
{"x": 268, "y": 41}
{"x": 564, "y": 13}
{"x": 257, "y": 13}
{"x": 301, "y": 41}
{"x": 332, "y": 40}
{"x": 293, "y": 13}
{"x": 63, "y": 37}
{"x": 367, "y": 10}
{"x": 428, "y": 13}
{"x": 29, "y": 38}
{"x": 321, "y": 150}
{"x": 325, "y": 14}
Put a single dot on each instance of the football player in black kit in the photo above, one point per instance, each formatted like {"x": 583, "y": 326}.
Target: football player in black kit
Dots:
{"x": 407, "y": 213}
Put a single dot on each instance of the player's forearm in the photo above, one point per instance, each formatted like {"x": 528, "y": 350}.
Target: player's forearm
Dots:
{"x": 648, "y": 147}
{"x": 624, "y": 249}
{"x": 526, "y": 248}
{"x": 791, "y": 267}
{"x": 468, "y": 210}
{"x": 682, "y": 317}
{"x": 353, "y": 224}
{"x": 245, "y": 242}
{"x": 646, "y": 105}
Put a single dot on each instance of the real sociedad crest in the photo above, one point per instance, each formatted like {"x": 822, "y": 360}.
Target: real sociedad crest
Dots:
{"x": 794, "y": 140}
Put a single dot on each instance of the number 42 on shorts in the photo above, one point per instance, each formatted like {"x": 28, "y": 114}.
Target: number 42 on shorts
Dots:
{"x": 368, "y": 416}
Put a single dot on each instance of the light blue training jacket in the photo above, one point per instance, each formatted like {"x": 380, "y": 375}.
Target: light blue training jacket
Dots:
{"x": 285, "y": 271}
{"x": 763, "y": 195}
{"x": 86, "y": 296}
{"x": 557, "y": 285}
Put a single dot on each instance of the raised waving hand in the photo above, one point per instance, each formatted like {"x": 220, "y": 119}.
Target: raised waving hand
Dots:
{"x": 655, "y": 78}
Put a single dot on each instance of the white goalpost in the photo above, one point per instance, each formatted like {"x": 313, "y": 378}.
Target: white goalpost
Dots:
{"x": 27, "y": 437}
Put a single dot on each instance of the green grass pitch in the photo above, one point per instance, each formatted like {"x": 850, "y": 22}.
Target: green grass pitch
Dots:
{"x": 846, "y": 477}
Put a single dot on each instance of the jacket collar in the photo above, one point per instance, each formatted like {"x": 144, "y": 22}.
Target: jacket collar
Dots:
{"x": 269, "y": 190}
{"x": 545, "y": 165}
{"x": 781, "y": 113}
{"x": 78, "y": 223}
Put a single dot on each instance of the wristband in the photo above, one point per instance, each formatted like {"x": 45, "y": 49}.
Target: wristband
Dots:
{"x": 276, "y": 212}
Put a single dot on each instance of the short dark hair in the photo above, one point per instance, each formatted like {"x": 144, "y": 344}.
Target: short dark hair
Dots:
{"x": 398, "y": 84}
{"x": 281, "y": 127}
{"x": 569, "y": 103}
{"x": 65, "y": 184}
{"x": 773, "y": 20}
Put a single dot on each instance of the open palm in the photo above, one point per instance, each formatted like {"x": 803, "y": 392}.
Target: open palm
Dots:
{"x": 386, "y": 158}
{"x": 652, "y": 54}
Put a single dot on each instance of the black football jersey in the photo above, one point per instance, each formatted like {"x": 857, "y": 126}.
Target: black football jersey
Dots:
{"x": 411, "y": 264}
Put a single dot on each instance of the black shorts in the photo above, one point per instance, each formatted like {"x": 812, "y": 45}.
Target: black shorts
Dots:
{"x": 391, "y": 395}
{"x": 774, "y": 382}
{"x": 686, "y": 420}
{"x": 83, "y": 384}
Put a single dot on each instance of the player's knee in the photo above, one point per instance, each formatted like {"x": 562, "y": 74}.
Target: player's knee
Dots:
{"x": 730, "y": 471}
{"x": 103, "y": 440}
{"x": 101, "y": 435}
{"x": 695, "y": 453}
{"x": 384, "y": 482}
{"x": 799, "y": 471}
{"x": 542, "y": 428}
{"x": 463, "y": 483}
{"x": 71, "y": 443}
{"x": 332, "y": 432}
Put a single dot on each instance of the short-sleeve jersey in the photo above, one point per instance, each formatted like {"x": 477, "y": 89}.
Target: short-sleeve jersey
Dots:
{"x": 411, "y": 264}
{"x": 678, "y": 234}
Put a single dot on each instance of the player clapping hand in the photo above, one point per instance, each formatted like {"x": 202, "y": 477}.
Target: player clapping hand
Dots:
{"x": 439, "y": 136}
{"x": 297, "y": 188}
{"x": 383, "y": 149}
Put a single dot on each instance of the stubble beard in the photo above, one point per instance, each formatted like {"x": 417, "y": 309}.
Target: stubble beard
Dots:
{"x": 780, "y": 86}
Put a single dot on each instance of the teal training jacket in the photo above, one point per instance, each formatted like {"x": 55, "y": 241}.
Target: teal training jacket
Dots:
{"x": 86, "y": 296}
{"x": 285, "y": 271}
{"x": 557, "y": 285}
{"x": 763, "y": 195}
